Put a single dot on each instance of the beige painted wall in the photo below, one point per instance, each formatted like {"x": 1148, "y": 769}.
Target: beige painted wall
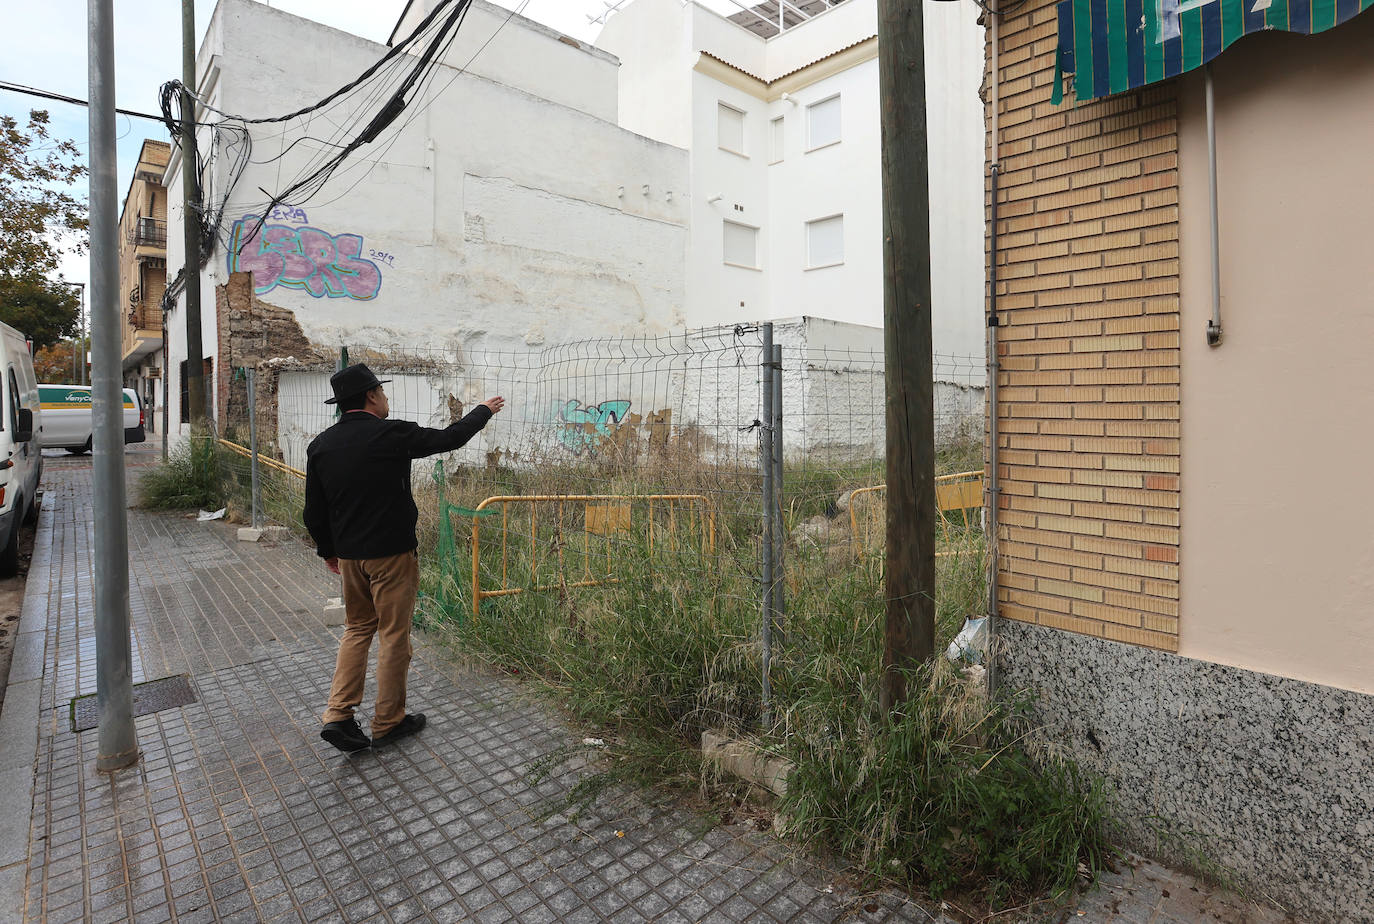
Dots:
{"x": 1277, "y": 544}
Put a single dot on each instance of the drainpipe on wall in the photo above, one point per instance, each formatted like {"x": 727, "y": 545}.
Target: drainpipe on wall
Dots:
{"x": 993, "y": 370}
{"x": 1214, "y": 325}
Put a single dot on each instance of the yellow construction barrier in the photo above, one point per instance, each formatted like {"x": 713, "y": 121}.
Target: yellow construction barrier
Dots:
{"x": 262, "y": 459}
{"x": 604, "y": 515}
{"x": 960, "y": 492}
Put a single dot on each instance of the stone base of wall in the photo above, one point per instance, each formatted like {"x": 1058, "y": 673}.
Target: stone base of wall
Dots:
{"x": 1271, "y": 778}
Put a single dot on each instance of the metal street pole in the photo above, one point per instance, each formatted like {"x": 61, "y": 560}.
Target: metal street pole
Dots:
{"x": 909, "y": 635}
{"x": 768, "y": 544}
{"x": 85, "y": 343}
{"x": 80, "y": 313}
{"x": 81, "y": 325}
{"x": 190, "y": 220}
{"x": 118, "y": 747}
{"x": 779, "y": 535}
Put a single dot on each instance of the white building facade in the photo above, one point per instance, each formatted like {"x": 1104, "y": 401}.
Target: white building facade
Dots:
{"x": 784, "y": 138}
{"x": 504, "y": 209}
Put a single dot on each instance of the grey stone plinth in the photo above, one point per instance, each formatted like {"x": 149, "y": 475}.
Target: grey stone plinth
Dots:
{"x": 1268, "y": 777}
{"x": 747, "y": 761}
{"x": 334, "y": 613}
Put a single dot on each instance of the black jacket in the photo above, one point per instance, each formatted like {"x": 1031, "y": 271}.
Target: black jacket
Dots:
{"x": 357, "y": 481}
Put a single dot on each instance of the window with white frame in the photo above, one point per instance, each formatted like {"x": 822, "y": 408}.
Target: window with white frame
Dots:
{"x": 730, "y": 128}
{"x": 825, "y": 242}
{"x": 741, "y": 245}
{"x": 823, "y": 123}
{"x": 776, "y": 138}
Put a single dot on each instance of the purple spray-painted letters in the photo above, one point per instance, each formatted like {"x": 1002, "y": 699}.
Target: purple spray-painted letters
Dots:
{"x": 317, "y": 262}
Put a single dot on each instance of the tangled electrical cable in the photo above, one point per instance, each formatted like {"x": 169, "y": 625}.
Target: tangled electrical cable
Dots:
{"x": 392, "y": 79}
{"x": 988, "y": 8}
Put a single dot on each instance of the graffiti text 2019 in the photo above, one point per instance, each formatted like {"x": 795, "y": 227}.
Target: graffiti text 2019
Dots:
{"x": 314, "y": 261}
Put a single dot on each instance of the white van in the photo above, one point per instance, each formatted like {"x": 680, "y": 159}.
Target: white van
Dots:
{"x": 21, "y": 457}
{"x": 69, "y": 419}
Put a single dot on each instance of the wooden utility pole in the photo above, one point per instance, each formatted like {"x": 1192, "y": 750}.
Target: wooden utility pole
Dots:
{"x": 190, "y": 221}
{"x": 909, "y": 637}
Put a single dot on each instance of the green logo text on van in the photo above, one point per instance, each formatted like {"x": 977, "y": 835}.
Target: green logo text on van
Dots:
{"x": 56, "y": 396}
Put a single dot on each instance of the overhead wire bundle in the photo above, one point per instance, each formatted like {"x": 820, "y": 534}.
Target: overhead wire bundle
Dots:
{"x": 369, "y": 104}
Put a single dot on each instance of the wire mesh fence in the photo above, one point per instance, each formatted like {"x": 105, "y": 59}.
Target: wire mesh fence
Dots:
{"x": 620, "y": 498}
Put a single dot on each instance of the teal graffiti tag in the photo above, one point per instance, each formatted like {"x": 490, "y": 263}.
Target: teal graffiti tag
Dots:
{"x": 583, "y": 427}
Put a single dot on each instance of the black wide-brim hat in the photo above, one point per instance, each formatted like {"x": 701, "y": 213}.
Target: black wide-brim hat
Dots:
{"x": 354, "y": 380}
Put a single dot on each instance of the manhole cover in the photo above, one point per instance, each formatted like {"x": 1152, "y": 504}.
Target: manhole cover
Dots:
{"x": 149, "y": 696}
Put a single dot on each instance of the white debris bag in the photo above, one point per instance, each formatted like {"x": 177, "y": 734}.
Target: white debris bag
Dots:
{"x": 971, "y": 641}
{"x": 207, "y": 515}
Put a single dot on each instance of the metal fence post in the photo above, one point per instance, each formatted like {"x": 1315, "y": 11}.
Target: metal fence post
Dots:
{"x": 253, "y": 445}
{"x": 340, "y": 366}
{"x": 779, "y": 535}
{"x": 118, "y": 744}
{"x": 767, "y": 546}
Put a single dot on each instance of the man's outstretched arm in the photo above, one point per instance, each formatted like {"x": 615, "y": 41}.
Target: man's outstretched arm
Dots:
{"x": 425, "y": 441}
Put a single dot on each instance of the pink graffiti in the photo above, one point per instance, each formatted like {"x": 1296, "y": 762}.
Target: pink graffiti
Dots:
{"x": 320, "y": 263}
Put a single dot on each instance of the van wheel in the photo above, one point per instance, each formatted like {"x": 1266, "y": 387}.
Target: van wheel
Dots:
{"x": 80, "y": 450}
{"x": 31, "y": 515}
{"x": 9, "y": 555}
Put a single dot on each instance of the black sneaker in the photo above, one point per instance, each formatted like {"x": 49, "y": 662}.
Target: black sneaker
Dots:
{"x": 402, "y": 729}
{"x": 345, "y": 735}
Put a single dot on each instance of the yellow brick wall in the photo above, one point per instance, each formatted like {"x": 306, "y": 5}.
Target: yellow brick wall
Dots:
{"x": 1088, "y": 405}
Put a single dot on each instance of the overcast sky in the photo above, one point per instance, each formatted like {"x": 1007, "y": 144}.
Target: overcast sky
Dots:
{"x": 49, "y": 52}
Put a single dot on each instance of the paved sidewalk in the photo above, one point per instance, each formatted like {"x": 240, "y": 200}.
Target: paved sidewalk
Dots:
{"x": 237, "y": 810}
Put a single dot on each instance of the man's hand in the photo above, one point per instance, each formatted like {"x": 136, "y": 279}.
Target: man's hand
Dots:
{"x": 495, "y": 404}
{"x": 333, "y": 565}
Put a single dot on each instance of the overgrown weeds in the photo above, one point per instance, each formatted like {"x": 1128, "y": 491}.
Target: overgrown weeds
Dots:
{"x": 191, "y": 477}
{"x": 942, "y": 796}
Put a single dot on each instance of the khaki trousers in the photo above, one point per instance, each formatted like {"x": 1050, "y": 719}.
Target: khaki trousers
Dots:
{"x": 379, "y": 599}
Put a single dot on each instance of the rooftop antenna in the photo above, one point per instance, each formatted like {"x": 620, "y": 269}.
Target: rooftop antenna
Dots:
{"x": 612, "y": 6}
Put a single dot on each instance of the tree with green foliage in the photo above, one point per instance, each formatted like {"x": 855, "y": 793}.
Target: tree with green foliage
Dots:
{"x": 42, "y": 309}
{"x": 53, "y": 364}
{"x": 39, "y": 221}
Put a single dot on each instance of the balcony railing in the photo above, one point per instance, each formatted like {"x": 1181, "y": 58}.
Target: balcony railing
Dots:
{"x": 148, "y": 232}
{"x": 145, "y": 317}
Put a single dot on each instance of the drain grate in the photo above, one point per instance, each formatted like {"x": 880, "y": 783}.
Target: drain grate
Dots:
{"x": 149, "y": 696}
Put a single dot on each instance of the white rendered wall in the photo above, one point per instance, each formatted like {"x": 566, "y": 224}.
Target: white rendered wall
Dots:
{"x": 718, "y": 36}
{"x": 954, "y": 113}
{"x": 656, "y": 42}
{"x": 653, "y": 42}
{"x": 840, "y": 179}
{"x": 492, "y": 218}
{"x": 519, "y": 52}
{"x": 839, "y": 27}
{"x": 717, "y": 293}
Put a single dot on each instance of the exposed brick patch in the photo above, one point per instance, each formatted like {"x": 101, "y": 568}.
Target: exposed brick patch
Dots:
{"x": 251, "y": 332}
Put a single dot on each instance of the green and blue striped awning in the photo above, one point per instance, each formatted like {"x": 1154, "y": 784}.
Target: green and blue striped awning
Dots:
{"x": 1115, "y": 45}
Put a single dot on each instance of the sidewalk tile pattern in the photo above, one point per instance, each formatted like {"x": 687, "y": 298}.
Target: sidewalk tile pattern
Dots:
{"x": 238, "y": 812}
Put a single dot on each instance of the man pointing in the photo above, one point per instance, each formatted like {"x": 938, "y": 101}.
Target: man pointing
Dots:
{"x": 360, "y": 512}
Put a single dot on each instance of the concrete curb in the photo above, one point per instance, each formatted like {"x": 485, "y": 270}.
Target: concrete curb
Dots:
{"x": 19, "y": 731}
{"x": 767, "y": 774}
